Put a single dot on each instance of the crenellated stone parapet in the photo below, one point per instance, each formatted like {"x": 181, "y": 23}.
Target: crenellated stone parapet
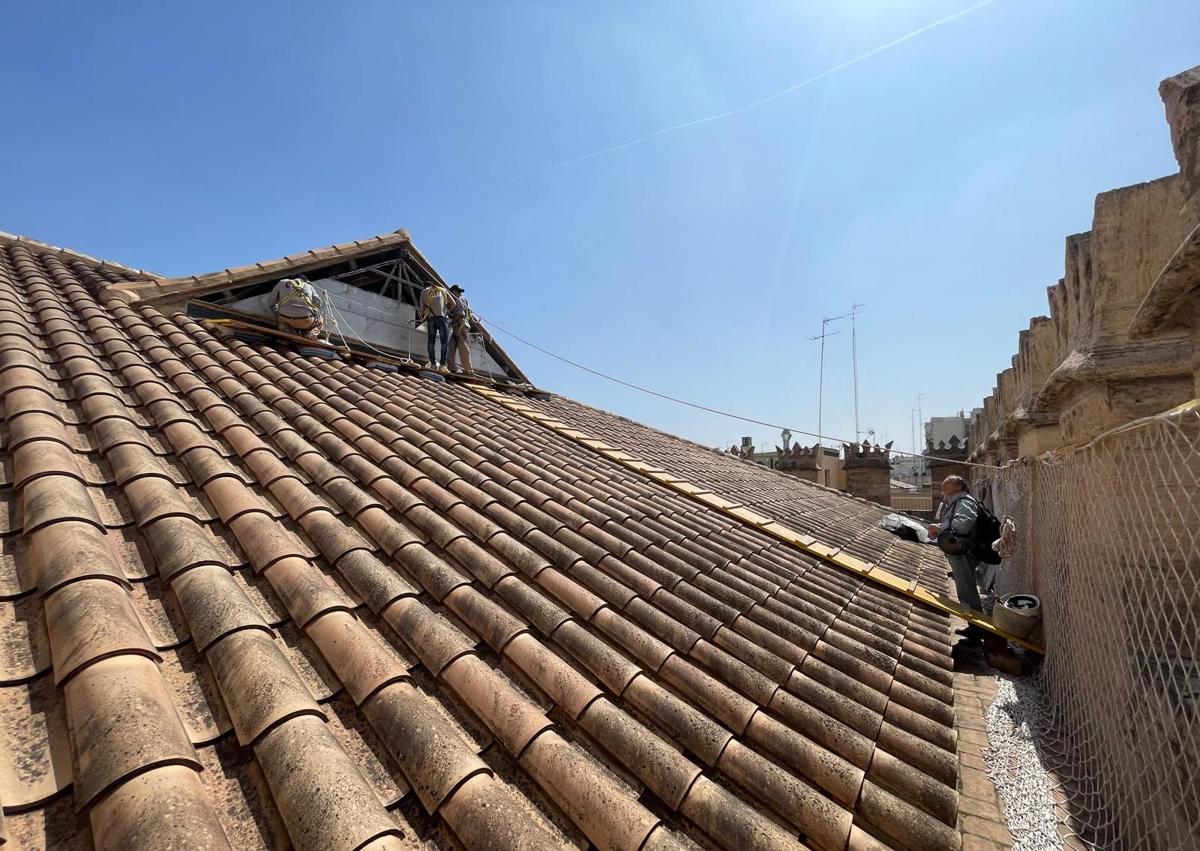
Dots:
{"x": 867, "y": 454}
{"x": 1181, "y": 98}
{"x": 1122, "y": 338}
{"x": 868, "y": 470}
{"x": 1172, "y": 305}
{"x": 799, "y": 461}
{"x": 947, "y": 458}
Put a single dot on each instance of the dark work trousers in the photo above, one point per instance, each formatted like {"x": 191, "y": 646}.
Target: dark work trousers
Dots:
{"x": 437, "y": 326}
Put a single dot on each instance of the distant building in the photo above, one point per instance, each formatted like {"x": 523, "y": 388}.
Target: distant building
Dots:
{"x": 798, "y": 461}
{"x": 940, "y": 430}
{"x": 911, "y": 471}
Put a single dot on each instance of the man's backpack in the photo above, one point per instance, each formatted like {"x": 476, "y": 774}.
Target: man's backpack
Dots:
{"x": 986, "y": 531}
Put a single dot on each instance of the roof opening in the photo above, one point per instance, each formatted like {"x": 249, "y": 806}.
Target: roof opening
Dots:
{"x": 370, "y": 306}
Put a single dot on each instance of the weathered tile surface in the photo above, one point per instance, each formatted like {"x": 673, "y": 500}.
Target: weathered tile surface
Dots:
{"x": 255, "y": 600}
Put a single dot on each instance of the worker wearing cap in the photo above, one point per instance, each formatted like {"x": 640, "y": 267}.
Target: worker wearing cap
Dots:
{"x": 460, "y": 329}
{"x": 298, "y": 308}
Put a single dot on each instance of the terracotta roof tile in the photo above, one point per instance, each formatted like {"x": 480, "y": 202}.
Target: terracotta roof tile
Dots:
{"x": 313, "y": 580}
{"x": 122, "y": 723}
{"x": 592, "y": 798}
{"x": 215, "y": 605}
{"x": 716, "y": 811}
{"x": 259, "y": 685}
{"x": 156, "y": 806}
{"x": 303, "y": 763}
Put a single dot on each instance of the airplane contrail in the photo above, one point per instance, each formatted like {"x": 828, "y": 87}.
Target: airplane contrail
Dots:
{"x": 757, "y": 103}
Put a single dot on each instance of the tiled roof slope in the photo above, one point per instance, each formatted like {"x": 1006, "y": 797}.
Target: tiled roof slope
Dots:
{"x": 252, "y": 600}
{"x": 829, "y": 516}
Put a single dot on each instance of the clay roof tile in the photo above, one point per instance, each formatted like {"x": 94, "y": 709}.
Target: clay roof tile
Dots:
{"x": 153, "y": 454}
{"x": 432, "y": 752}
{"x": 123, "y": 723}
{"x": 322, "y": 796}
{"x": 260, "y": 687}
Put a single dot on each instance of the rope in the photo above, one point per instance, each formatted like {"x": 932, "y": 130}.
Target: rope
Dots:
{"x": 675, "y": 399}
{"x": 326, "y": 300}
{"x": 717, "y": 411}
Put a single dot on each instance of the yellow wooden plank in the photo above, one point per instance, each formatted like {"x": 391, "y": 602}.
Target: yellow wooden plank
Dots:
{"x": 718, "y": 502}
{"x": 265, "y": 331}
{"x": 889, "y": 580}
{"x": 852, "y": 563}
{"x": 747, "y": 515}
{"x": 923, "y": 595}
{"x": 777, "y": 530}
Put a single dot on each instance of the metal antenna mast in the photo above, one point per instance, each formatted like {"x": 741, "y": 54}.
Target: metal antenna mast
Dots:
{"x": 920, "y": 420}
{"x": 854, "y": 311}
{"x": 821, "y": 388}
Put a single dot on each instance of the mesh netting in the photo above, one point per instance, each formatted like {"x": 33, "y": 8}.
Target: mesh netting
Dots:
{"x": 1108, "y": 541}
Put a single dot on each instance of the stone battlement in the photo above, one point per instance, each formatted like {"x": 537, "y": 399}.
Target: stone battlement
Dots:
{"x": 1122, "y": 338}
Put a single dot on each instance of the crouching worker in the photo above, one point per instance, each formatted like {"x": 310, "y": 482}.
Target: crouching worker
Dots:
{"x": 298, "y": 308}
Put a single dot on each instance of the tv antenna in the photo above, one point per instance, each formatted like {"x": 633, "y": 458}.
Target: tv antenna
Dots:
{"x": 855, "y": 309}
{"x": 825, "y": 332}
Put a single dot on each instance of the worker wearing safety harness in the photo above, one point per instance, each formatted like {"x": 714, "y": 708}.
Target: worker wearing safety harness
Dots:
{"x": 460, "y": 330}
{"x": 298, "y": 308}
{"x": 435, "y": 306}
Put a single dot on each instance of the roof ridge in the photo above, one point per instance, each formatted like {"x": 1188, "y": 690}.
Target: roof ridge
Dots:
{"x": 189, "y": 285}
{"x": 39, "y": 247}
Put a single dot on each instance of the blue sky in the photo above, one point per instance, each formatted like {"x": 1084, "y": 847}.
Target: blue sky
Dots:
{"x": 934, "y": 181}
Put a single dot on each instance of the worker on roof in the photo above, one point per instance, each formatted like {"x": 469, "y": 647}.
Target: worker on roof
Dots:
{"x": 957, "y": 517}
{"x": 298, "y": 308}
{"x": 460, "y": 330}
{"x": 435, "y": 305}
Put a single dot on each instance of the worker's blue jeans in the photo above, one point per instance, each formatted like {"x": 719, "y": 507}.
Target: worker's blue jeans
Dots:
{"x": 437, "y": 326}
{"x": 965, "y": 581}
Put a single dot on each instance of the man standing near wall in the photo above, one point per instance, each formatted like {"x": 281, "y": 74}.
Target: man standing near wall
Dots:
{"x": 956, "y": 521}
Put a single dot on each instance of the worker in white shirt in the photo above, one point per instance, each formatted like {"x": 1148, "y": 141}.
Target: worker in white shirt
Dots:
{"x": 298, "y": 308}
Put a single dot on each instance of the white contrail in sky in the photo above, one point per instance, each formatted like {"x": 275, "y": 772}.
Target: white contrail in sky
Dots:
{"x": 755, "y": 104}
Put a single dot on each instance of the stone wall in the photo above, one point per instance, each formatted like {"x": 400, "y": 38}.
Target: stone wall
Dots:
{"x": 799, "y": 461}
{"x": 950, "y": 457}
{"x": 1122, "y": 338}
{"x": 868, "y": 471}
